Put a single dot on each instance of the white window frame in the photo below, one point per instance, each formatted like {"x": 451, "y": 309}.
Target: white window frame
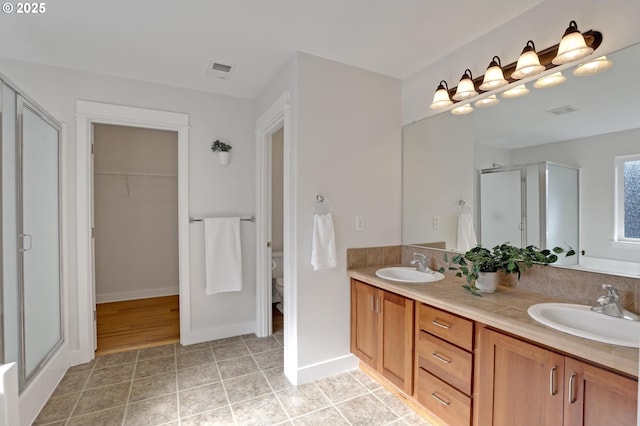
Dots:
{"x": 619, "y": 240}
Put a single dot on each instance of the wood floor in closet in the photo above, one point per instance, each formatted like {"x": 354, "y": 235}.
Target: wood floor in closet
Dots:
{"x": 135, "y": 324}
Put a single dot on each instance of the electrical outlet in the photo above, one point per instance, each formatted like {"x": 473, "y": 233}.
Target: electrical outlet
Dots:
{"x": 359, "y": 223}
{"x": 436, "y": 222}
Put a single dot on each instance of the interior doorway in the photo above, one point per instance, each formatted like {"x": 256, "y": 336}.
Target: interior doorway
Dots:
{"x": 277, "y": 235}
{"x": 135, "y": 217}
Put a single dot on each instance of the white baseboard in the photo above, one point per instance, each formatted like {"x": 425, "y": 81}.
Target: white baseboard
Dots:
{"x": 42, "y": 386}
{"x": 214, "y": 333}
{"x": 327, "y": 368}
{"x": 137, "y": 294}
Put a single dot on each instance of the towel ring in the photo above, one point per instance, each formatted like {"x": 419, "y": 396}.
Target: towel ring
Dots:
{"x": 464, "y": 207}
{"x": 322, "y": 205}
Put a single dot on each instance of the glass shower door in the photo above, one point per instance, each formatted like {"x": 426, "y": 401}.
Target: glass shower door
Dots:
{"x": 501, "y": 217}
{"x": 40, "y": 292}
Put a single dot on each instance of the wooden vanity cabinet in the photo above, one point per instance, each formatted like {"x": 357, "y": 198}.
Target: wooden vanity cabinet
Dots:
{"x": 382, "y": 332}
{"x": 518, "y": 383}
{"x": 444, "y": 364}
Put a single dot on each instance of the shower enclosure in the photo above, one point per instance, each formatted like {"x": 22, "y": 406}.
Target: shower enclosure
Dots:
{"x": 532, "y": 204}
{"x": 31, "y": 296}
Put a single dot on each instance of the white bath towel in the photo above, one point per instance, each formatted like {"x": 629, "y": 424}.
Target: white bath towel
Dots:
{"x": 466, "y": 233}
{"x": 323, "y": 248}
{"x": 223, "y": 254}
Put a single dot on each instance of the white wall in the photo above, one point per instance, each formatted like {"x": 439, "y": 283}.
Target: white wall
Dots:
{"x": 431, "y": 186}
{"x": 544, "y": 23}
{"x": 349, "y": 150}
{"x": 595, "y": 156}
{"x": 214, "y": 190}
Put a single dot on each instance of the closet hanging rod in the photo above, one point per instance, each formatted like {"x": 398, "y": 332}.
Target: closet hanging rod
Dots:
{"x": 126, "y": 174}
{"x": 251, "y": 219}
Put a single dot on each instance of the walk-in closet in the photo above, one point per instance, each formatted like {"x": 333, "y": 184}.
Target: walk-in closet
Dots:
{"x": 136, "y": 237}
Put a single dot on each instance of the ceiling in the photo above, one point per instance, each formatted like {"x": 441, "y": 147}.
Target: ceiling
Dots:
{"x": 172, "y": 42}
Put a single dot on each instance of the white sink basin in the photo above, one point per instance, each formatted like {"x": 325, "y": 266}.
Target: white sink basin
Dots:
{"x": 581, "y": 321}
{"x": 407, "y": 274}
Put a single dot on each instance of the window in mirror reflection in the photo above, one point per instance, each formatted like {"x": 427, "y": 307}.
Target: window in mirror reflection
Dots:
{"x": 628, "y": 170}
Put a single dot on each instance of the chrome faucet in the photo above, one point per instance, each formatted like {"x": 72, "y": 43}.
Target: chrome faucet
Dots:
{"x": 611, "y": 304}
{"x": 420, "y": 262}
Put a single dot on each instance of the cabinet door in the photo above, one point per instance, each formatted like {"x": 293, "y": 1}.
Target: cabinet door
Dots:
{"x": 397, "y": 343}
{"x": 594, "y": 396}
{"x": 365, "y": 325}
{"x": 516, "y": 383}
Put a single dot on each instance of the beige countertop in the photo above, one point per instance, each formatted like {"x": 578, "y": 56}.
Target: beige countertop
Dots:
{"x": 506, "y": 310}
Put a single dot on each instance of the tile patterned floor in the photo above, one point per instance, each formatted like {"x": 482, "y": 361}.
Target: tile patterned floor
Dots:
{"x": 234, "y": 381}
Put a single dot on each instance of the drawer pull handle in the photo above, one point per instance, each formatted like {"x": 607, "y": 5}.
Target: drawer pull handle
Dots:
{"x": 441, "y": 324}
{"x": 572, "y": 380}
{"x": 552, "y": 381}
{"x": 440, "y": 400}
{"x": 439, "y": 357}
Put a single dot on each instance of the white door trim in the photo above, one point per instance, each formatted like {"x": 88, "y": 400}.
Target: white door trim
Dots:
{"x": 88, "y": 113}
{"x": 278, "y": 115}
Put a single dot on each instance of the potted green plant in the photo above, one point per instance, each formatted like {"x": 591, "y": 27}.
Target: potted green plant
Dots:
{"x": 480, "y": 265}
{"x": 223, "y": 151}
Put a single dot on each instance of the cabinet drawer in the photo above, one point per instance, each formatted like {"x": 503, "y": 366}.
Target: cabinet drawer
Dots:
{"x": 446, "y": 361}
{"x": 449, "y": 327}
{"x": 443, "y": 400}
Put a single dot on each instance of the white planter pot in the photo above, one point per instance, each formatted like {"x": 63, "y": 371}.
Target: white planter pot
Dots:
{"x": 487, "y": 282}
{"x": 224, "y": 157}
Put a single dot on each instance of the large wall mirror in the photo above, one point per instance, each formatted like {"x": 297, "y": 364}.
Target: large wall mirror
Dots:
{"x": 586, "y": 124}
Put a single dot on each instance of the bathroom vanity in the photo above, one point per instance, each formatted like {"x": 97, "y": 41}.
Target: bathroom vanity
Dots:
{"x": 467, "y": 360}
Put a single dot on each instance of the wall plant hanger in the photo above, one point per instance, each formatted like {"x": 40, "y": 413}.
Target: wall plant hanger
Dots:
{"x": 223, "y": 150}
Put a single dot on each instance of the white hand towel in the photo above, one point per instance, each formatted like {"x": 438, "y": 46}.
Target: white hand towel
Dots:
{"x": 466, "y": 234}
{"x": 323, "y": 249}
{"x": 223, "y": 254}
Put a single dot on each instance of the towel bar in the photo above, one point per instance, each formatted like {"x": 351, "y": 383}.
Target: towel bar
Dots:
{"x": 251, "y": 219}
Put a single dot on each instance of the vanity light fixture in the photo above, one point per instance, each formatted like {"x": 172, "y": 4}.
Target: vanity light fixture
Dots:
{"x": 550, "y": 80}
{"x": 528, "y": 62}
{"x": 466, "y": 88}
{"x": 596, "y": 66}
{"x": 487, "y": 102}
{"x": 515, "y": 92}
{"x": 441, "y": 98}
{"x": 462, "y": 110}
{"x": 493, "y": 77}
{"x": 572, "y": 46}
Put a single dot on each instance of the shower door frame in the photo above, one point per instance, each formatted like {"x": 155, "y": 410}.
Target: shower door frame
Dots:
{"x": 21, "y": 103}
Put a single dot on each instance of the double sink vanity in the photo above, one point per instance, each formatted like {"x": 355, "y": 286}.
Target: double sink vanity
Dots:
{"x": 461, "y": 359}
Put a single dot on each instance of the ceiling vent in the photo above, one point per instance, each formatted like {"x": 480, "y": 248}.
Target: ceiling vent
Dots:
{"x": 220, "y": 70}
{"x": 563, "y": 110}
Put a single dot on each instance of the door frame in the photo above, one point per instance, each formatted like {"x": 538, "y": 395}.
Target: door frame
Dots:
{"x": 88, "y": 113}
{"x": 277, "y": 116}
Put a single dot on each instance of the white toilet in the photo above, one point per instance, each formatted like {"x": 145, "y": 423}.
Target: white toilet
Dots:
{"x": 277, "y": 272}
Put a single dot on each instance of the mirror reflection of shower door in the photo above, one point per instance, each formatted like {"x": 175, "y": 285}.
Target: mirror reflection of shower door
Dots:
{"x": 501, "y": 207}
{"x": 40, "y": 292}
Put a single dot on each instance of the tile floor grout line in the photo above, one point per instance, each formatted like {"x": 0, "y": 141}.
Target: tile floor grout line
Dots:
{"x": 93, "y": 367}
{"x": 270, "y": 387}
{"x": 332, "y": 404}
{"x": 133, "y": 375}
{"x": 224, "y": 388}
